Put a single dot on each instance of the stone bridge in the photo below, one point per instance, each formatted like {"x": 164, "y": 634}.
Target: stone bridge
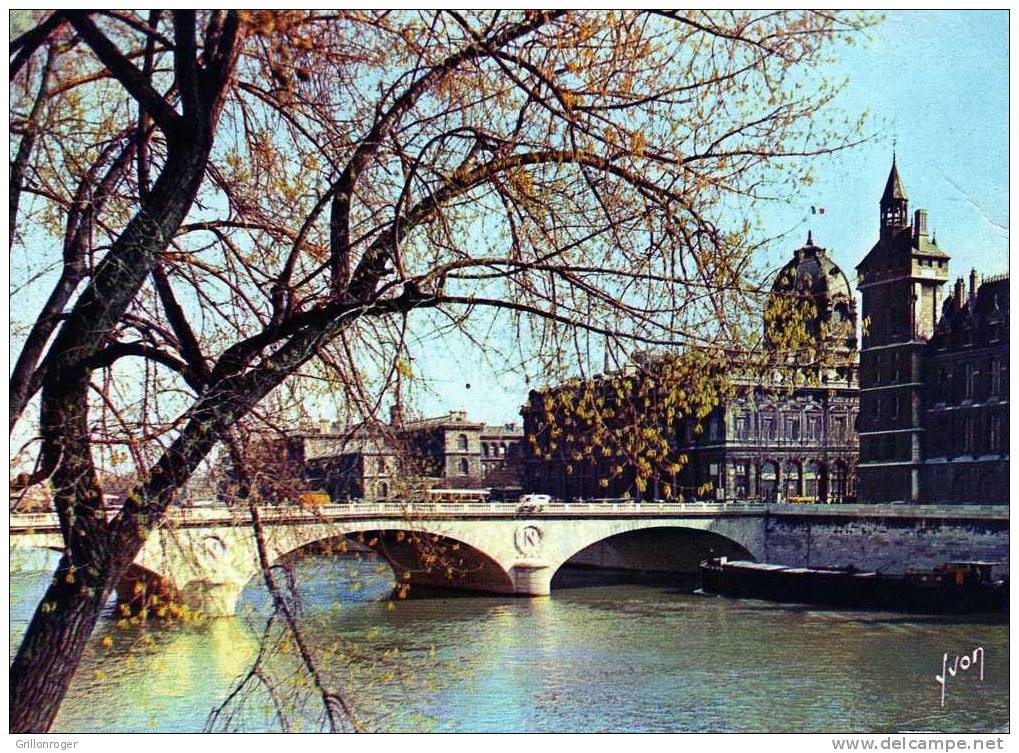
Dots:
{"x": 206, "y": 556}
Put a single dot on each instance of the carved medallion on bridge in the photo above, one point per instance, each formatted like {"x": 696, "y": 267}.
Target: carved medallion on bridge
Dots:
{"x": 528, "y": 539}
{"x": 214, "y": 546}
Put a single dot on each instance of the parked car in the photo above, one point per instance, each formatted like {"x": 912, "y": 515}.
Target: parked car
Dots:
{"x": 533, "y": 502}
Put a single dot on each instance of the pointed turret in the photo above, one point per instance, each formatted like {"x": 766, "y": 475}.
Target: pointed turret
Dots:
{"x": 894, "y": 202}
{"x": 893, "y": 187}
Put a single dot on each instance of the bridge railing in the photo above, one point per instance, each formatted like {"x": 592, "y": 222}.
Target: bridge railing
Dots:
{"x": 22, "y": 522}
{"x": 33, "y": 520}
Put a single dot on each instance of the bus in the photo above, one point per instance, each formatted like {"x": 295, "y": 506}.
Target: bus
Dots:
{"x": 458, "y": 495}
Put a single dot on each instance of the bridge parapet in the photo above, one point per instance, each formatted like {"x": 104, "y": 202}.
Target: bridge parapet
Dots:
{"x": 882, "y": 510}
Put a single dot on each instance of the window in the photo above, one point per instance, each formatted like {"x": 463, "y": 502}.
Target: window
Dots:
{"x": 713, "y": 429}
{"x": 381, "y": 465}
{"x": 462, "y": 441}
{"x": 969, "y": 380}
{"x": 814, "y": 427}
{"x": 743, "y": 426}
{"x": 945, "y": 384}
{"x": 967, "y": 434}
{"x": 895, "y": 405}
{"x": 877, "y": 369}
{"x": 769, "y": 427}
{"x": 995, "y": 377}
{"x": 792, "y": 427}
{"x": 995, "y": 433}
{"x": 465, "y": 467}
{"x": 896, "y": 368}
{"x": 838, "y": 424}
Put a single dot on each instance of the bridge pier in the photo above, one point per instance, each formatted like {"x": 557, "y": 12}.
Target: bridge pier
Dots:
{"x": 532, "y": 578}
{"x": 212, "y": 599}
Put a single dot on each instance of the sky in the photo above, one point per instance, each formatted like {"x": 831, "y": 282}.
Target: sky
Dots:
{"x": 936, "y": 84}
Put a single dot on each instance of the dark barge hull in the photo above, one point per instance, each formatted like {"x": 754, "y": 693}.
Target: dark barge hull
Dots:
{"x": 846, "y": 587}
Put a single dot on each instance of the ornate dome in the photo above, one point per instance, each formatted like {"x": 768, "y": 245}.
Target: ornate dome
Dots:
{"x": 811, "y": 275}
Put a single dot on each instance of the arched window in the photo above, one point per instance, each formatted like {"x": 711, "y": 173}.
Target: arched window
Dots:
{"x": 465, "y": 467}
{"x": 462, "y": 441}
{"x": 382, "y": 490}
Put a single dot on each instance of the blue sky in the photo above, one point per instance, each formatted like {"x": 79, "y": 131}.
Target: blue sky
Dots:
{"x": 937, "y": 83}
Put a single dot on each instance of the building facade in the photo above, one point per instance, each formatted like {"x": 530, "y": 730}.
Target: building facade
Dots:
{"x": 965, "y": 448}
{"x": 778, "y": 443}
{"x": 933, "y": 385}
{"x": 377, "y": 461}
{"x": 769, "y": 443}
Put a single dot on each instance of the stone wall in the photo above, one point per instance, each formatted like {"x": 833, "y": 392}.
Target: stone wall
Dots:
{"x": 891, "y": 543}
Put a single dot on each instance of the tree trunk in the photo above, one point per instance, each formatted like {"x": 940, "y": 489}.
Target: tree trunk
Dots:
{"x": 51, "y": 650}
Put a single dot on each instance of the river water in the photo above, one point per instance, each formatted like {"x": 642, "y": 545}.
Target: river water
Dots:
{"x": 633, "y": 658}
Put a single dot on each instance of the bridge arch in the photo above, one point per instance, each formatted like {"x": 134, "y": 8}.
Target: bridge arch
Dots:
{"x": 432, "y": 556}
{"x": 660, "y": 549}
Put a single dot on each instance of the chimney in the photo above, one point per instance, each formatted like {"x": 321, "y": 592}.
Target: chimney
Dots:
{"x": 960, "y": 291}
{"x": 919, "y": 225}
{"x": 396, "y": 414}
{"x": 974, "y": 283}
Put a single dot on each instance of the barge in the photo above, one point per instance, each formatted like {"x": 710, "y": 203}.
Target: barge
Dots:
{"x": 952, "y": 588}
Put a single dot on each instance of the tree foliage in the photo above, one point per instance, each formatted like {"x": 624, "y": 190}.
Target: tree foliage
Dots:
{"x": 211, "y": 208}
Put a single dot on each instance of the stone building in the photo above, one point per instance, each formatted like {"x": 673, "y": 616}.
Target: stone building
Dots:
{"x": 773, "y": 441}
{"x": 501, "y": 468}
{"x": 933, "y": 372}
{"x": 375, "y": 461}
{"x": 965, "y": 448}
{"x": 775, "y": 445}
{"x": 776, "y": 442}
{"x": 359, "y": 463}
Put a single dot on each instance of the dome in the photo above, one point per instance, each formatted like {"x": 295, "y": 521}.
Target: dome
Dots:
{"x": 811, "y": 273}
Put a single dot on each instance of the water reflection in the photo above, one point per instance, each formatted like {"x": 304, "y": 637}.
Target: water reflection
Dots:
{"x": 619, "y": 658}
